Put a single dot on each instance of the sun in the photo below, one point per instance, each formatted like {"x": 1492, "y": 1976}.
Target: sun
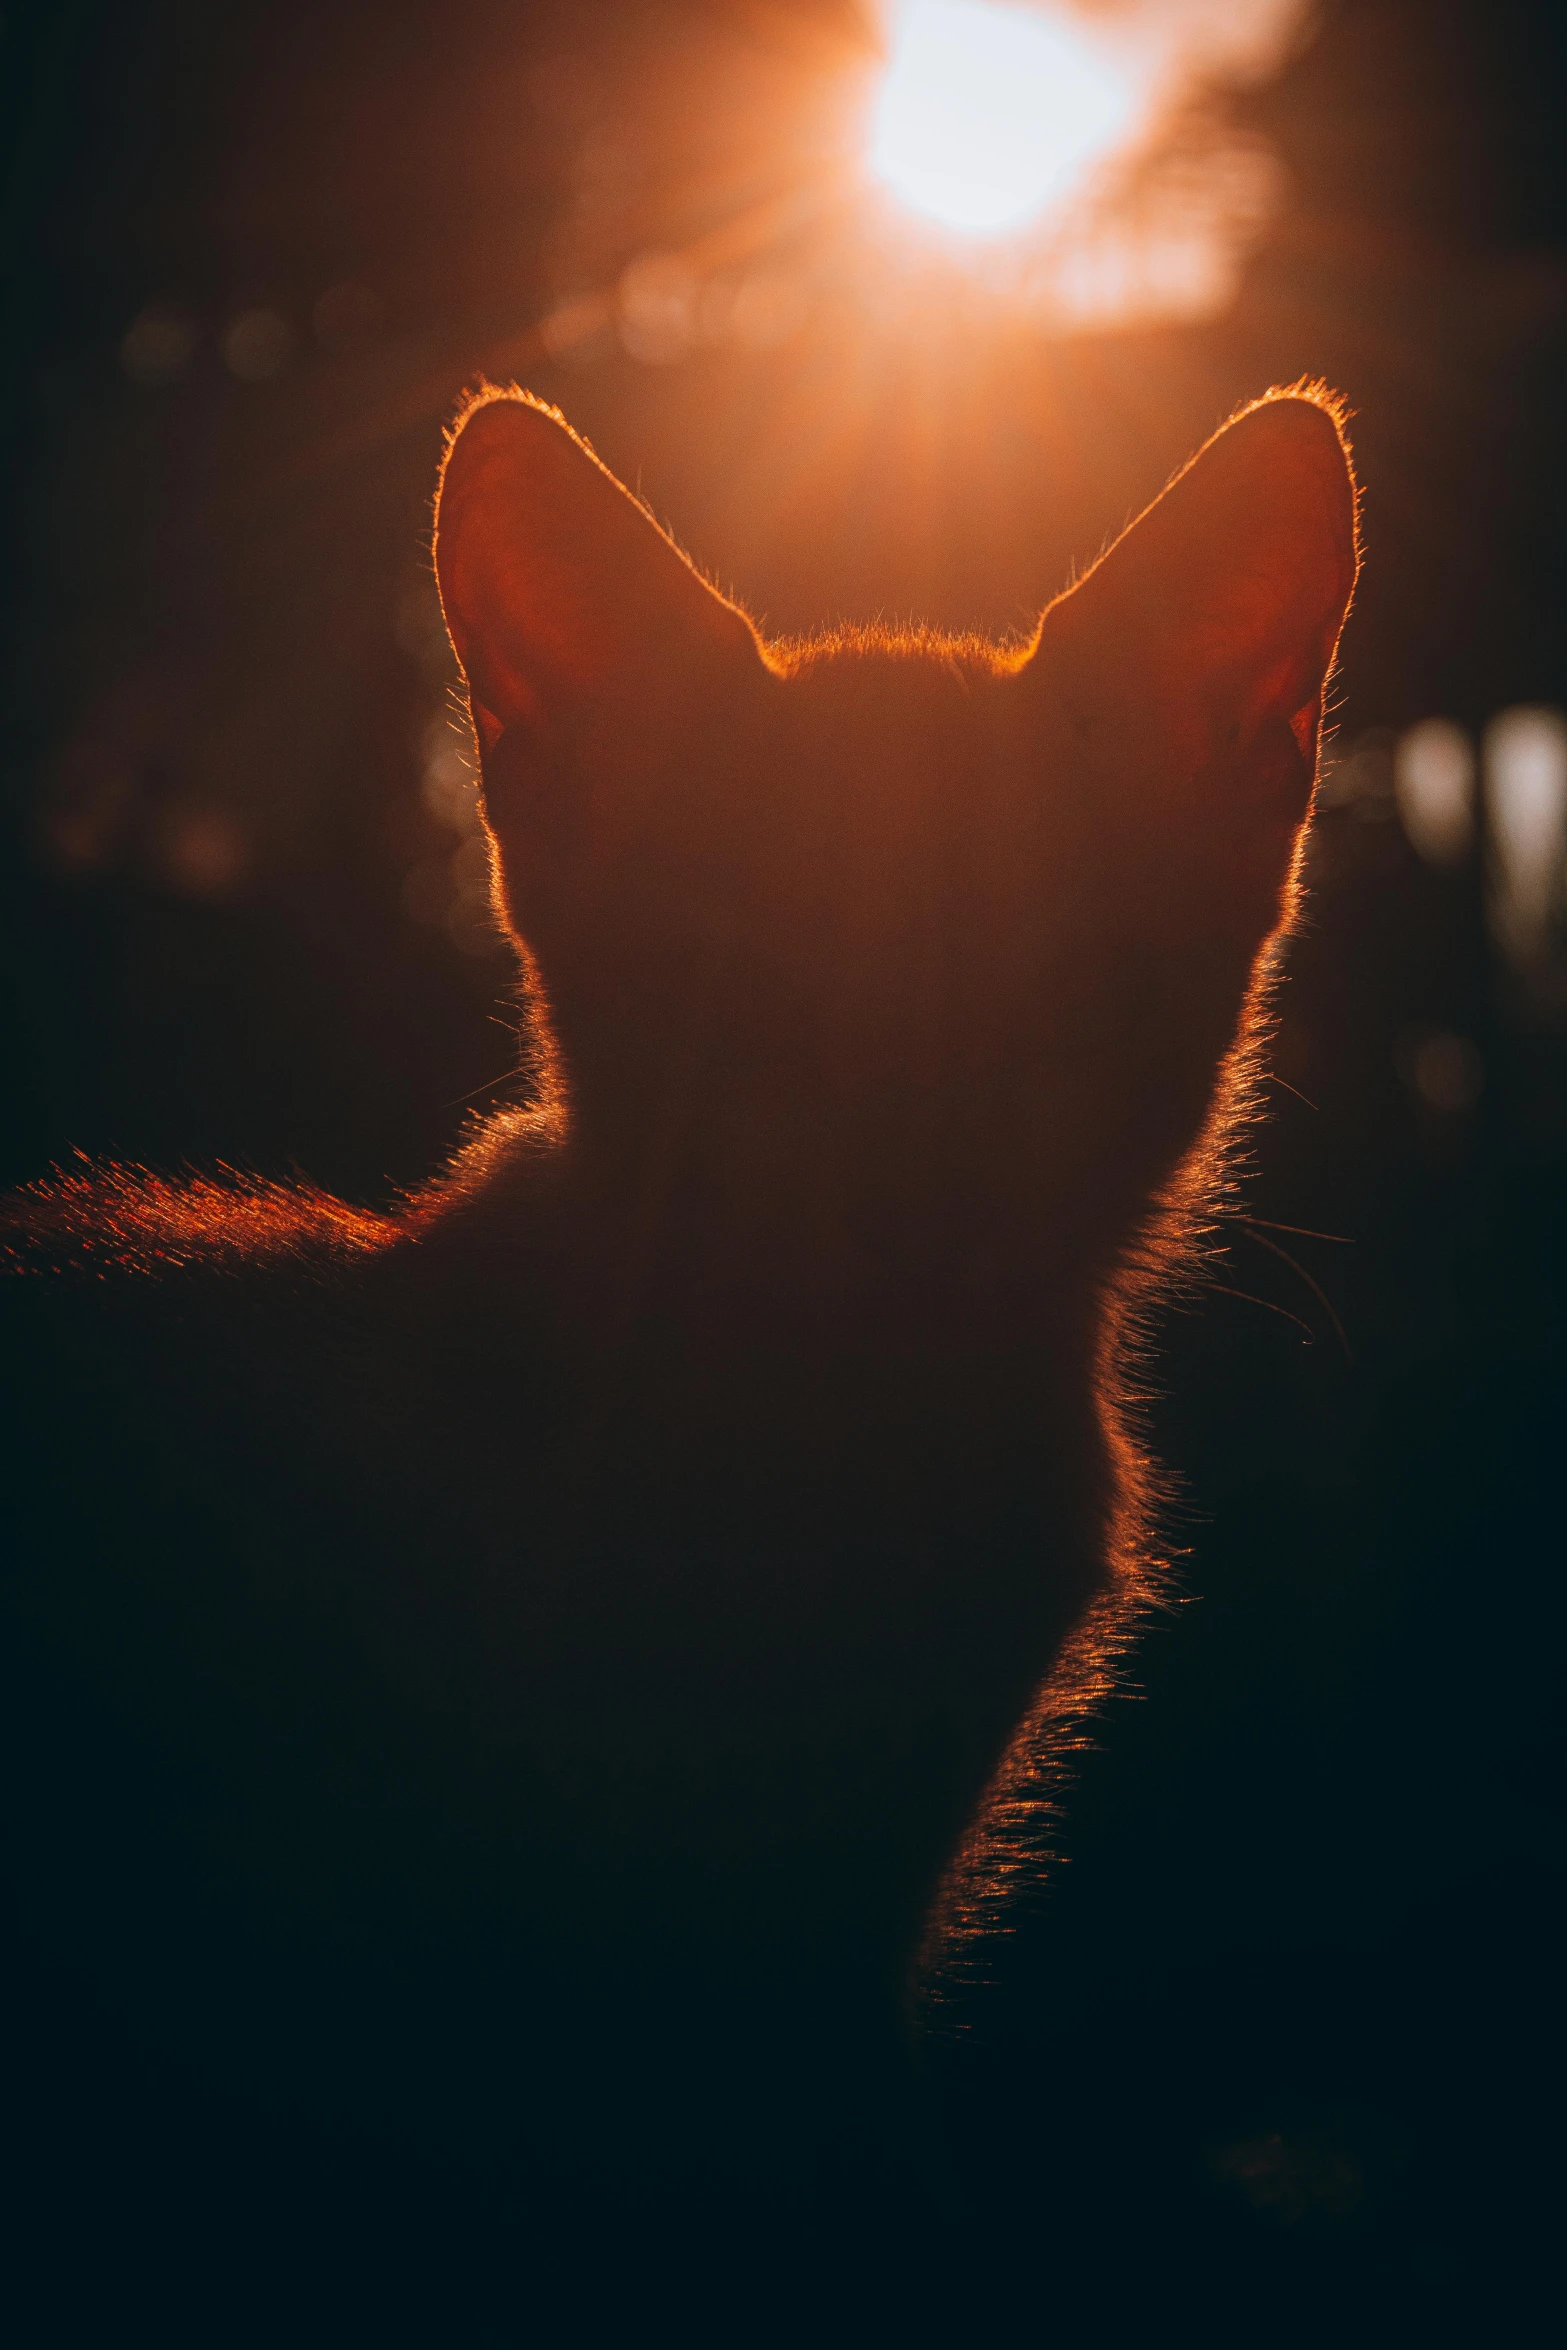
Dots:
{"x": 989, "y": 115}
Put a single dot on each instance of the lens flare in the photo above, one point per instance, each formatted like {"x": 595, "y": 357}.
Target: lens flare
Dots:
{"x": 990, "y": 115}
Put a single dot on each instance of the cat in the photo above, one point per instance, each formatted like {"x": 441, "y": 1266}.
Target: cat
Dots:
{"x": 522, "y": 1672}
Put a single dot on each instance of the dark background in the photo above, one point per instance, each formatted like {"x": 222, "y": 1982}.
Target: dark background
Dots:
{"x": 1274, "y": 2052}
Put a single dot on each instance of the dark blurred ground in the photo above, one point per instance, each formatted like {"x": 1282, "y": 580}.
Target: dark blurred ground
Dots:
{"x": 1275, "y": 2054}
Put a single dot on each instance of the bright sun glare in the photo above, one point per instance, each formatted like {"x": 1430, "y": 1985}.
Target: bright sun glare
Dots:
{"x": 989, "y": 113}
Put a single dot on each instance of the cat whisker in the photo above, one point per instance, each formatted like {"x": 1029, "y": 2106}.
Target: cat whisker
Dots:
{"x": 1317, "y": 1291}
{"x": 1301, "y": 1231}
{"x": 1274, "y": 1078}
{"x": 1223, "y": 1290}
{"x": 488, "y": 1085}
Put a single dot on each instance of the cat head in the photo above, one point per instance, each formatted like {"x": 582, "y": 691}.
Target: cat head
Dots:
{"x": 956, "y": 915}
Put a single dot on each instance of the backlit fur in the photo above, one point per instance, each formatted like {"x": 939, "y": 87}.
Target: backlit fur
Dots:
{"x": 732, "y": 1463}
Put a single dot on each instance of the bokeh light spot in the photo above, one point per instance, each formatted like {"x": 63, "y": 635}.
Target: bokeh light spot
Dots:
{"x": 989, "y": 114}
{"x": 1526, "y": 803}
{"x": 1434, "y": 777}
{"x": 204, "y": 852}
{"x": 257, "y": 345}
{"x": 1447, "y": 1071}
{"x": 658, "y": 303}
{"x": 158, "y": 346}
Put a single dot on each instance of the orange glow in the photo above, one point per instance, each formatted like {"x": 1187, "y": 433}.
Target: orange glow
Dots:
{"x": 991, "y": 115}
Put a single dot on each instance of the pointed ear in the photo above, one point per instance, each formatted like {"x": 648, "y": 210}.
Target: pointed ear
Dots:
{"x": 557, "y": 588}
{"x": 1226, "y": 598}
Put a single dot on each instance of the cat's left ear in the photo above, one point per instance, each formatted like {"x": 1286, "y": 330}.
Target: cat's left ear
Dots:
{"x": 561, "y": 595}
{"x": 1217, "y": 614}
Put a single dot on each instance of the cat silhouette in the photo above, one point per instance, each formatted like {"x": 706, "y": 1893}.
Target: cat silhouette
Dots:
{"x": 520, "y": 1674}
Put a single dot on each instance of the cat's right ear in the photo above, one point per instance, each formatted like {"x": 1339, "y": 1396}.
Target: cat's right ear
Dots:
{"x": 1212, "y": 623}
{"x": 559, "y": 591}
